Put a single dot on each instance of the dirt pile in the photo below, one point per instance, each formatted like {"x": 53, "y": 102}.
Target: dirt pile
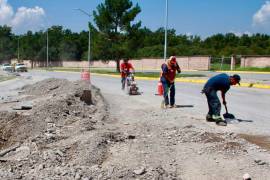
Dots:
{"x": 61, "y": 137}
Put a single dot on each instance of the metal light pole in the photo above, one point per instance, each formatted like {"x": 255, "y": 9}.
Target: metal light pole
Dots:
{"x": 18, "y": 49}
{"x": 89, "y": 36}
{"x": 47, "y": 47}
{"x": 166, "y": 27}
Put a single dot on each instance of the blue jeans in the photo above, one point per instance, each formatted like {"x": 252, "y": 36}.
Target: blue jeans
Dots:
{"x": 166, "y": 88}
{"x": 123, "y": 82}
{"x": 213, "y": 102}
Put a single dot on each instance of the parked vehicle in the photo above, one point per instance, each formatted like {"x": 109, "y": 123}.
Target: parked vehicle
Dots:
{"x": 7, "y": 67}
{"x": 20, "y": 67}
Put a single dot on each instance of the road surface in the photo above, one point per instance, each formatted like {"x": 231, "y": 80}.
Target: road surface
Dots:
{"x": 248, "y": 104}
{"x": 177, "y": 143}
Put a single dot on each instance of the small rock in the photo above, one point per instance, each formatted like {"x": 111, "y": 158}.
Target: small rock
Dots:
{"x": 139, "y": 171}
{"x": 64, "y": 173}
{"x": 60, "y": 153}
{"x": 131, "y": 137}
{"x": 260, "y": 162}
{"x": 41, "y": 166}
{"x": 78, "y": 176}
{"x": 246, "y": 177}
{"x": 86, "y": 178}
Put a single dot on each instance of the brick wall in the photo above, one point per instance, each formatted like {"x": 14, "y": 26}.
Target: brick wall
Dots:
{"x": 255, "y": 61}
{"x": 186, "y": 63}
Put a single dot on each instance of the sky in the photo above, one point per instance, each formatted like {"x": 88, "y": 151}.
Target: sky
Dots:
{"x": 191, "y": 17}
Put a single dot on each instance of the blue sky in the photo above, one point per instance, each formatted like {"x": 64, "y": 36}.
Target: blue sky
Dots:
{"x": 193, "y": 17}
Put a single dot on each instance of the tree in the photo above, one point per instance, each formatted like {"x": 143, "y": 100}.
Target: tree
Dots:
{"x": 7, "y": 44}
{"x": 113, "y": 19}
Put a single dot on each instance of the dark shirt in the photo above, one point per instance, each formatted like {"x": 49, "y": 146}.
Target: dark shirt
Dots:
{"x": 220, "y": 82}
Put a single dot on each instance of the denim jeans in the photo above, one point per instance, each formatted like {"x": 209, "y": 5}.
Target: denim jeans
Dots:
{"x": 123, "y": 82}
{"x": 166, "y": 88}
{"x": 214, "y": 104}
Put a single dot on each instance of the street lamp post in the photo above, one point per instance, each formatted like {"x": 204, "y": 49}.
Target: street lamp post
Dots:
{"x": 47, "y": 47}
{"x": 18, "y": 49}
{"x": 89, "y": 36}
{"x": 44, "y": 29}
{"x": 166, "y": 27}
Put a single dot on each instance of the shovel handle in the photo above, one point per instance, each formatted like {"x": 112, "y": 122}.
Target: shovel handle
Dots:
{"x": 226, "y": 108}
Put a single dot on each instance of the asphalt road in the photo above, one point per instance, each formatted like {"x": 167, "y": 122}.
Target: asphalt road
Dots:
{"x": 248, "y": 104}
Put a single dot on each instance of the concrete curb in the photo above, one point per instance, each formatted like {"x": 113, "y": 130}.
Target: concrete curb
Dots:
{"x": 244, "y": 72}
{"x": 197, "y": 81}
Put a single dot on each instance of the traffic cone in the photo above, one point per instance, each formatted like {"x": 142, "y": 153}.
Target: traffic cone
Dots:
{"x": 85, "y": 75}
{"x": 159, "y": 89}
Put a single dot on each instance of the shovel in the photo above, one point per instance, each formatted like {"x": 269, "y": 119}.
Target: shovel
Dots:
{"x": 228, "y": 115}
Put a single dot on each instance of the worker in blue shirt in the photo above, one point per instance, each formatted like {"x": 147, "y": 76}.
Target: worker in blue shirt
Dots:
{"x": 220, "y": 82}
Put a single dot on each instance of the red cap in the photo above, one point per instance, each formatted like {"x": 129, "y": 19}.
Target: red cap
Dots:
{"x": 173, "y": 59}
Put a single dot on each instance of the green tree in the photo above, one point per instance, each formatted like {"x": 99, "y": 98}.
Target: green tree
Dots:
{"x": 113, "y": 19}
{"x": 7, "y": 44}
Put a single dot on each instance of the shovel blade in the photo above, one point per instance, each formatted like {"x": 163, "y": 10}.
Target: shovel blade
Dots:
{"x": 228, "y": 116}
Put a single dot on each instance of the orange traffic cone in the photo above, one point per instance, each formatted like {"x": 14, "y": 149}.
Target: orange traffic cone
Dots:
{"x": 159, "y": 89}
{"x": 85, "y": 75}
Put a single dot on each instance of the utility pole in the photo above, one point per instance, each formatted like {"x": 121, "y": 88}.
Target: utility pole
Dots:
{"x": 89, "y": 36}
{"x": 18, "y": 55}
{"x": 47, "y": 47}
{"x": 166, "y": 27}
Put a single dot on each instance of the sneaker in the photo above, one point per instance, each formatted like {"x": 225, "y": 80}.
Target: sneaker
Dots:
{"x": 216, "y": 117}
{"x": 164, "y": 106}
{"x": 167, "y": 106}
{"x": 173, "y": 106}
{"x": 209, "y": 118}
{"x": 221, "y": 123}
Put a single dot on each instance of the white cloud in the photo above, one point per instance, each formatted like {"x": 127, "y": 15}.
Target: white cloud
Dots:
{"x": 262, "y": 16}
{"x": 23, "y": 20}
{"x": 6, "y": 12}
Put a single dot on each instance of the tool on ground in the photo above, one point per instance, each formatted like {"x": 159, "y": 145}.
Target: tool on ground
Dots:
{"x": 230, "y": 118}
{"x": 228, "y": 115}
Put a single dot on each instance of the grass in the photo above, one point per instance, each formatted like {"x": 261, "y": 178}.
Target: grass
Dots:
{"x": 6, "y": 78}
{"x": 265, "y": 69}
{"x": 113, "y": 72}
{"x": 227, "y": 67}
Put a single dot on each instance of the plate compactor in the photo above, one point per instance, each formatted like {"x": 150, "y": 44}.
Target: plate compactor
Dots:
{"x": 132, "y": 87}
